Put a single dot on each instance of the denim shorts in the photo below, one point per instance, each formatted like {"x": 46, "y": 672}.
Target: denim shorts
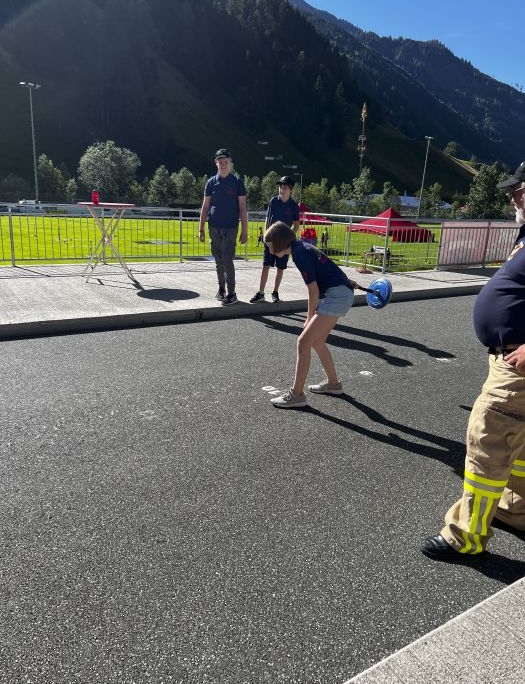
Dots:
{"x": 270, "y": 259}
{"x": 337, "y": 301}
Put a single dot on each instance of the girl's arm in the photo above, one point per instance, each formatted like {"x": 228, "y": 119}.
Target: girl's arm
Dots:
{"x": 313, "y": 299}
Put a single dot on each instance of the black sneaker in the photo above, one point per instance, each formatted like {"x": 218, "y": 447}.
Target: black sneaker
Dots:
{"x": 229, "y": 299}
{"x": 257, "y": 297}
{"x": 275, "y": 296}
{"x": 220, "y": 295}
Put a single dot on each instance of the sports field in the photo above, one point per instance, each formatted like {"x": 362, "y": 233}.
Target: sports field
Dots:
{"x": 59, "y": 239}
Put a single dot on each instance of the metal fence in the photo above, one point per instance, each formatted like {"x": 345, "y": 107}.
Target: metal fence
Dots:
{"x": 469, "y": 243}
{"x": 64, "y": 233}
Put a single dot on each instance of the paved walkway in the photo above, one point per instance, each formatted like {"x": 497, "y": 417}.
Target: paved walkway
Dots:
{"x": 37, "y": 300}
{"x": 485, "y": 644}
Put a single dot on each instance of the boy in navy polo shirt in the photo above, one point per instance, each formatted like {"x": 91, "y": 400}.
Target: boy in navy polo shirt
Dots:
{"x": 224, "y": 203}
{"x": 330, "y": 295}
{"x": 281, "y": 208}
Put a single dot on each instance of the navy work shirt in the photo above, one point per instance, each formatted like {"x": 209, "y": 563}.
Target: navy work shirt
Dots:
{"x": 287, "y": 212}
{"x": 316, "y": 266}
{"x": 499, "y": 310}
{"x": 224, "y": 193}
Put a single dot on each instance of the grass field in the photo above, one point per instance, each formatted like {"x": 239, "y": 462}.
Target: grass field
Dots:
{"x": 48, "y": 239}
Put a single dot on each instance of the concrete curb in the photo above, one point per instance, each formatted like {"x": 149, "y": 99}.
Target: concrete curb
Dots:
{"x": 81, "y": 324}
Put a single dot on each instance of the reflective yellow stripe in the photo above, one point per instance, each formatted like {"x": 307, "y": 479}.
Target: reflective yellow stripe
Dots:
{"x": 472, "y": 543}
{"x": 518, "y": 468}
{"x": 483, "y": 492}
{"x": 486, "y": 480}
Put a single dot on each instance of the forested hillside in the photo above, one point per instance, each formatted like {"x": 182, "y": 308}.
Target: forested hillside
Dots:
{"x": 173, "y": 81}
{"x": 427, "y": 90}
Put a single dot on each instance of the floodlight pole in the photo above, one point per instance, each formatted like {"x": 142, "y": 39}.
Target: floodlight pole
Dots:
{"x": 31, "y": 87}
{"x": 428, "y": 139}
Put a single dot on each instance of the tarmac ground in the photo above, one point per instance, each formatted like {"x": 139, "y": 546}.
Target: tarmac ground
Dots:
{"x": 49, "y": 300}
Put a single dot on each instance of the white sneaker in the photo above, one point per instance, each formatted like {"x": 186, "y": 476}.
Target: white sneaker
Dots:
{"x": 290, "y": 400}
{"x": 326, "y": 388}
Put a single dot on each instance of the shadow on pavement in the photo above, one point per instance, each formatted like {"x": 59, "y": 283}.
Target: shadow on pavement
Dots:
{"x": 167, "y": 294}
{"x": 448, "y": 451}
{"x": 295, "y": 326}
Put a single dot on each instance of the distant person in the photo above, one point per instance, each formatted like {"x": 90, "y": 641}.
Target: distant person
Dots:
{"x": 494, "y": 483}
{"x": 284, "y": 208}
{"x": 224, "y": 204}
{"x": 309, "y": 235}
{"x": 324, "y": 239}
{"x": 260, "y": 236}
{"x": 330, "y": 295}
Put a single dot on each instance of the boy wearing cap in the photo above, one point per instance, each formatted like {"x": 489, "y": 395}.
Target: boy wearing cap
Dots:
{"x": 494, "y": 482}
{"x": 223, "y": 205}
{"x": 283, "y": 208}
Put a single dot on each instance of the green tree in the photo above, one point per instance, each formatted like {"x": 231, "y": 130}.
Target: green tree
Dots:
{"x": 269, "y": 186}
{"x": 362, "y": 188}
{"x": 138, "y": 192}
{"x": 254, "y": 190}
{"x": 435, "y": 198}
{"x": 161, "y": 188}
{"x": 426, "y": 208}
{"x": 185, "y": 183}
{"x": 484, "y": 200}
{"x": 390, "y": 197}
{"x": 451, "y": 149}
{"x": 317, "y": 196}
{"x": 14, "y": 188}
{"x": 51, "y": 182}
{"x": 337, "y": 204}
{"x": 71, "y": 190}
{"x": 109, "y": 169}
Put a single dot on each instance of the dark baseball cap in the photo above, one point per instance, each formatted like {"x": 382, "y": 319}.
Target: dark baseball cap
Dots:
{"x": 222, "y": 153}
{"x": 286, "y": 180}
{"x": 515, "y": 179}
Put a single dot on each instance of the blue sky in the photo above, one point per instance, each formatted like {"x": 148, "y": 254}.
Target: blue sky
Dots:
{"x": 487, "y": 33}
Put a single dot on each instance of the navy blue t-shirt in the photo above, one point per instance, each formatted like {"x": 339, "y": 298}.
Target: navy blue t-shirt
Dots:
{"x": 316, "y": 266}
{"x": 224, "y": 193}
{"x": 499, "y": 309}
{"x": 287, "y": 212}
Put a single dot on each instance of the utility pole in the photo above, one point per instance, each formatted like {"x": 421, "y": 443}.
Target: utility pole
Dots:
{"x": 428, "y": 139}
{"x": 361, "y": 147}
{"x": 31, "y": 87}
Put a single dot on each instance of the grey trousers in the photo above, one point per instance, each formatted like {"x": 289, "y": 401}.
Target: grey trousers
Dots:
{"x": 222, "y": 241}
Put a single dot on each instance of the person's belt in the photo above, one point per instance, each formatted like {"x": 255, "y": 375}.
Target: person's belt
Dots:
{"x": 497, "y": 351}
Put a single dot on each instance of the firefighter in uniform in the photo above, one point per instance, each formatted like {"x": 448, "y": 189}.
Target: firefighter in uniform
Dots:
{"x": 494, "y": 481}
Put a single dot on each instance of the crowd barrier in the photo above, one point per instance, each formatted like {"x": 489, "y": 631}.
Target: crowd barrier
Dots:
{"x": 65, "y": 233}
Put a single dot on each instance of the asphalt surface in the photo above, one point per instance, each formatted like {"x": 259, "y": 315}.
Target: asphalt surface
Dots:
{"x": 162, "y": 522}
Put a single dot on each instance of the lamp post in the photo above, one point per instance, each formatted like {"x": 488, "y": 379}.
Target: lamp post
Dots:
{"x": 428, "y": 139}
{"x": 31, "y": 87}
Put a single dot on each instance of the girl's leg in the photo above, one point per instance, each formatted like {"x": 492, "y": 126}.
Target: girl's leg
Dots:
{"x": 264, "y": 278}
{"x": 317, "y": 330}
{"x": 327, "y": 362}
{"x": 278, "y": 278}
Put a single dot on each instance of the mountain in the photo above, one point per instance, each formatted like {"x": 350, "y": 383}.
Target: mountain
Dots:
{"x": 174, "y": 80}
{"x": 427, "y": 90}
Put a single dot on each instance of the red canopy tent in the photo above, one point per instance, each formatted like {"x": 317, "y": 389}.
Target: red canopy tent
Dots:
{"x": 312, "y": 218}
{"x": 399, "y": 228}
